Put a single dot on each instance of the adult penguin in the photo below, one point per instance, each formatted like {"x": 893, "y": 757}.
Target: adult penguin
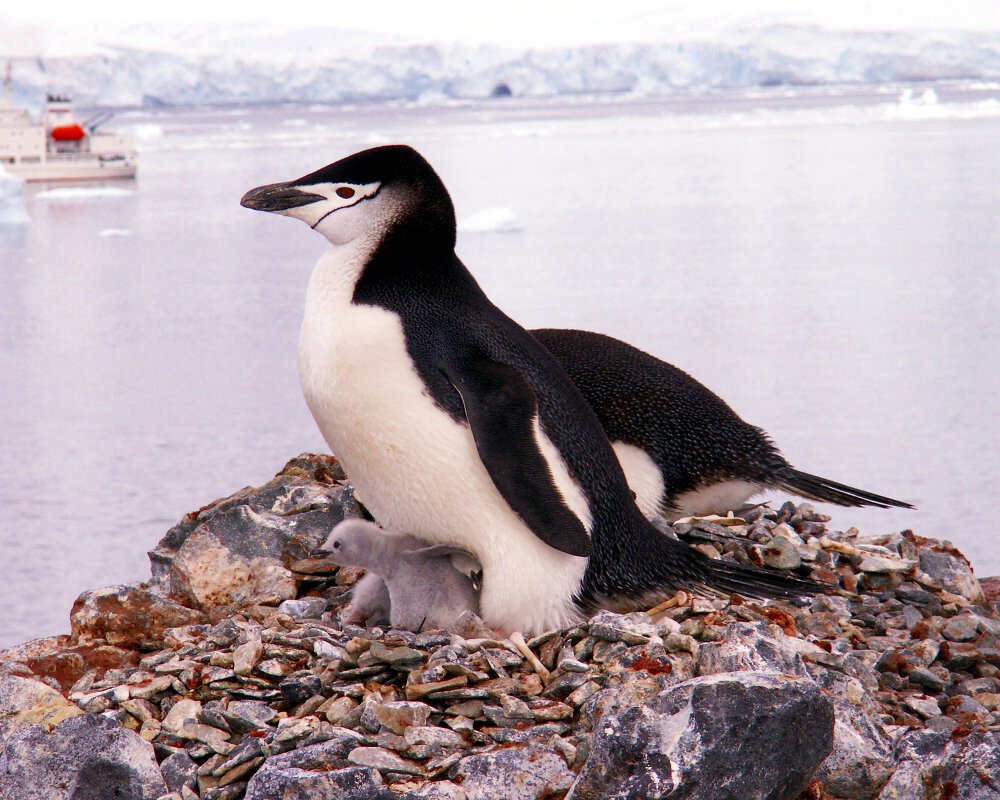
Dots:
{"x": 454, "y": 424}
{"x": 684, "y": 450}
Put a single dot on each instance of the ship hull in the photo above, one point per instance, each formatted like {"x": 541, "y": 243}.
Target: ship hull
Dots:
{"x": 75, "y": 169}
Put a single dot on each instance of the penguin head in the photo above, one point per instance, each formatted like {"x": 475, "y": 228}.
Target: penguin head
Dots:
{"x": 366, "y": 194}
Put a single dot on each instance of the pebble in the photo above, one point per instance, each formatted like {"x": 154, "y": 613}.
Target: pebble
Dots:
{"x": 383, "y": 760}
{"x": 916, "y": 648}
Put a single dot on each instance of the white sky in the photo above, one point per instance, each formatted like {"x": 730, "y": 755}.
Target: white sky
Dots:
{"x": 61, "y": 25}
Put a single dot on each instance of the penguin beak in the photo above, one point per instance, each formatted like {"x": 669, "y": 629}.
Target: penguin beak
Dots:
{"x": 278, "y": 197}
{"x": 320, "y": 553}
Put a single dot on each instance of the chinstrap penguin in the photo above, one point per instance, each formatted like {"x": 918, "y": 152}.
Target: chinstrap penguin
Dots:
{"x": 454, "y": 424}
{"x": 684, "y": 450}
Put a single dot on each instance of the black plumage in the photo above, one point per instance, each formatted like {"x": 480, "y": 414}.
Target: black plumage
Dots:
{"x": 691, "y": 434}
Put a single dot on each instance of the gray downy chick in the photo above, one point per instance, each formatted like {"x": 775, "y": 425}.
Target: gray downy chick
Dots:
{"x": 370, "y": 603}
{"x": 429, "y": 586}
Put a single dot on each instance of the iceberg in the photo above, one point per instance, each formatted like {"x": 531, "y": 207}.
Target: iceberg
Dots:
{"x": 491, "y": 220}
{"x": 12, "y": 208}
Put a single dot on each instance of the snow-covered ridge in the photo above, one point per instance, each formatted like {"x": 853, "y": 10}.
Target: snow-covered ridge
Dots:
{"x": 236, "y": 70}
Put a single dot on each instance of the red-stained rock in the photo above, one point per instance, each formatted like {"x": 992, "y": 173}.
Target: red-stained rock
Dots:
{"x": 128, "y": 616}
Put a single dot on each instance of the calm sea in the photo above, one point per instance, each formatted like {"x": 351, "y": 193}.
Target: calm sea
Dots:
{"x": 827, "y": 264}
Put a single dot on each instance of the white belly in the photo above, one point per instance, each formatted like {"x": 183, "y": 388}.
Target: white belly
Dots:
{"x": 415, "y": 468}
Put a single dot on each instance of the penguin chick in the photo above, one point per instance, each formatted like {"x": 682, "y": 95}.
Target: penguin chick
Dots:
{"x": 424, "y": 588}
{"x": 370, "y": 603}
{"x": 685, "y": 452}
{"x": 454, "y": 424}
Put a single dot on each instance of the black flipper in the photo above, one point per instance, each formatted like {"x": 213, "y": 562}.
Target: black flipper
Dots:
{"x": 501, "y": 408}
{"x": 813, "y": 487}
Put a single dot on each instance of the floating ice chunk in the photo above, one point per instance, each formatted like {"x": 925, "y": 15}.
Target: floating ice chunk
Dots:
{"x": 12, "y": 208}
{"x": 72, "y": 193}
{"x": 491, "y": 220}
{"x": 294, "y": 123}
{"x": 109, "y": 233}
{"x": 147, "y": 130}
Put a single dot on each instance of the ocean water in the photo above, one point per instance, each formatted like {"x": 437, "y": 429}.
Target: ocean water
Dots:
{"x": 826, "y": 262}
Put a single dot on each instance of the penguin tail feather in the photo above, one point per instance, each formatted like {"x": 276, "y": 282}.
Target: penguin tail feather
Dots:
{"x": 729, "y": 577}
{"x": 813, "y": 487}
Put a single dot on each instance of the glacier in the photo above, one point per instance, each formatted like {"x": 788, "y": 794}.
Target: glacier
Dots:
{"x": 315, "y": 67}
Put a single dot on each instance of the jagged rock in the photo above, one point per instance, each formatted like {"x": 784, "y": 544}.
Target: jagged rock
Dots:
{"x": 750, "y": 646}
{"x": 252, "y": 711}
{"x": 236, "y": 558}
{"x": 782, "y": 551}
{"x": 383, "y": 760}
{"x": 25, "y": 702}
{"x": 632, "y": 629}
{"x": 695, "y": 740}
{"x": 306, "y": 608}
{"x": 963, "y": 767}
{"x": 528, "y": 772}
{"x": 860, "y": 762}
{"x": 318, "y": 770}
{"x": 438, "y": 790}
{"x": 399, "y": 715}
{"x": 128, "y": 616}
{"x": 290, "y": 783}
{"x": 950, "y": 569}
{"x": 179, "y": 770}
{"x": 89, "y": 757}
{"x": 308, "y": 482}
{"x": 634, "y": 677}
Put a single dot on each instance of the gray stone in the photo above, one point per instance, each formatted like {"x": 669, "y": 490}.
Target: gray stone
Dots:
{"x": 179, "y": 770}
{"x": 383, "y": 760}
{"x": 438, "y": 790}
{"x": 951, "y": 570}
{"x": 308, "y": 492}
{"x": 632, "y": 629}
{"x": 254, "y": 712}
{"x": 750, "y": 646}
{"x": 274, "y": 781}
{"x": 695, "y": 740}
{"x": 781, "y": 552}
{"x": 92, "y": 755}
{"x": 306, "y": 608}
{"x": 529, "y": 772}
{"x": 861, "y": 761}
{"x": 299, "y": 689}
{"x": 964, "y": 768}
{"x": 924, "y": 706}
{"x": 963, "y": 628}
{"x": 435, "y": 738}
{"x": 238, "y": 556}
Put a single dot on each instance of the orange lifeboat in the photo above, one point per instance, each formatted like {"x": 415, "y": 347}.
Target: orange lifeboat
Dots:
{"x": 67, "y": 133}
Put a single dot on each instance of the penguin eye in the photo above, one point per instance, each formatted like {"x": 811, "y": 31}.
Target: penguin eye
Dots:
{"x": 346, "y": 192}
{"x": 336, "y": 545}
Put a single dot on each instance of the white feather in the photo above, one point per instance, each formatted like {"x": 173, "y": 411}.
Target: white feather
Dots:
{"x": 715, "y": 499}
{"x": 413, "y": 466}
{"x": 643, "y": 476}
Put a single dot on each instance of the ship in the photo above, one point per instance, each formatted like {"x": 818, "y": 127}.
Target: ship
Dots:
{"x": 57, "y": 147}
